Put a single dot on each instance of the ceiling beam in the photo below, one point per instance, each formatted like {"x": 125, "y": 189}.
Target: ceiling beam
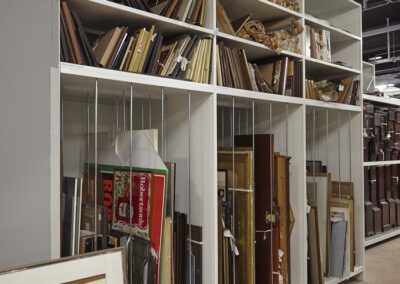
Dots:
{"x": 379, "y": 31}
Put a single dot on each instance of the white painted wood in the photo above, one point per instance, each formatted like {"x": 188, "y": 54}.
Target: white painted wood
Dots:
{"x": 254, "y": 50}
{"x": 375, "y": 239}
{"x": 319, "y": 69}
{"x": 28, "y": 147}
{"x": 263, "y": 10}
{"x": 103, "y": 15}
{"x": 330, "y": 105}
{"x": 381, "y": 163}
{"x": 357, "y": 271}
{"x": 77, "y": 81}
{"x": 383, "y": 100}
{"x": 108, "y": 262}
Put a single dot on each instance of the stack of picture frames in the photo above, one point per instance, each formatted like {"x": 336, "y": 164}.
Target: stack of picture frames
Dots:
{"x": 330, "y": 220}
{"x": 255, "y": 219}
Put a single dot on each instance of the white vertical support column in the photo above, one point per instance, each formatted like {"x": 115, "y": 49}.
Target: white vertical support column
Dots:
{"x": 214, "y": 204}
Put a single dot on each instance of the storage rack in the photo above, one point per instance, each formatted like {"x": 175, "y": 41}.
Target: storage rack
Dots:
{"x": 369, "y": 76}
{"x": 190, "y": 125}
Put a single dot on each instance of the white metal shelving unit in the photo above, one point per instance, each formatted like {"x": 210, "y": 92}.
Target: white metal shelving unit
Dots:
{"x": 369, "y": 83}
{"x": 190, "y": 137}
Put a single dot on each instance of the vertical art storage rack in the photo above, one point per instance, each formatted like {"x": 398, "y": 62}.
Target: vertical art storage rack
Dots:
{"x": 194, "y": 120}
{"x": 376, "y": 235}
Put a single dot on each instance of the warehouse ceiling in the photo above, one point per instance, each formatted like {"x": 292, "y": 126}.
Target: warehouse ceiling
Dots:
{"x": 381, "y": 39}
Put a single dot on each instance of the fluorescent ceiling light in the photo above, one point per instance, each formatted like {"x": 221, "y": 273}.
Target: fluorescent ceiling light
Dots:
{"x": 375, "y": 58}
{"x": 380, "y": 87}
{"x": 390, "y": 85}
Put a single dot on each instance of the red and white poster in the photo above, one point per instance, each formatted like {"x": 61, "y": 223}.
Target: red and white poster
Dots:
{"x": 136, "y": 212}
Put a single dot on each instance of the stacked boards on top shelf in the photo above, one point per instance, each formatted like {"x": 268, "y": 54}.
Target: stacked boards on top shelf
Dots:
{"x": 279, "y": 75}
{"x": 190, "y": 11}
{"x": 143, "y": 50}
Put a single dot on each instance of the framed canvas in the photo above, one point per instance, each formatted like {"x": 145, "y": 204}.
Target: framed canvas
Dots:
{"x": 239, "y": 167}
{"x": 105, "y": 266}
{"x": 319, "y": 188}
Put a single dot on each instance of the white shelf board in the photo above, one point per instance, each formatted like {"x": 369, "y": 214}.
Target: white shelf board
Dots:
{"x": 245, "y": 94}
{"x": 320, "y": 69}
{"x": 381, "y": 237}
{"x": 331, "y": 105}
{"x": 383, "y": 100}
{"x": 106, "y": 15}
{"x": 381, "y": 163}
{"x": 263, "y": 10}
{"x": 81, "y": 78}
{"x": 254, "y": 50}
{"x": 337, "y": 34}
{"x": 333, "y": 280}
{"x": 318, "y": 7}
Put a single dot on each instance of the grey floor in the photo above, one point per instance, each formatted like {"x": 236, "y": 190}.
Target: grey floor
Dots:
{"x": 382, "y": 264}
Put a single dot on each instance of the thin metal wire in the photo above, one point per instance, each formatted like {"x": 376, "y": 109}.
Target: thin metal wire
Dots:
{"x": 239, "y": 126}
{"x": 130, "y": 156}
{"x": 287, "y": 130}
{"x": 254, "y": 166}
{"x": 117, "y": 113}
{"x": 327, "y": 138}
{"x": 162, "y": 124}
{"x": 95, "y": 161}
{"x": 339, "y": 158}
{"x": 233, "y": 184}
{"x": 130, "y": 172}
{"x": 247, "y": 120}
{"x": 271, "y": 167}
{"x": 223, "y": 125}
{"x": 88, "y": 143}
{"x": 150, "y": 105}
{"x": 349, "y": 122}
{"x": 124, "y": 111}
{"x": 142, "y": 115}
{"x": 113, "y": 120}
{"x": 62, "y": 117}
{"x": 189, "y": 187}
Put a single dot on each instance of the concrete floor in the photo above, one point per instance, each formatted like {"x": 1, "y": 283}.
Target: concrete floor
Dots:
{"x": 382, "y": 264}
